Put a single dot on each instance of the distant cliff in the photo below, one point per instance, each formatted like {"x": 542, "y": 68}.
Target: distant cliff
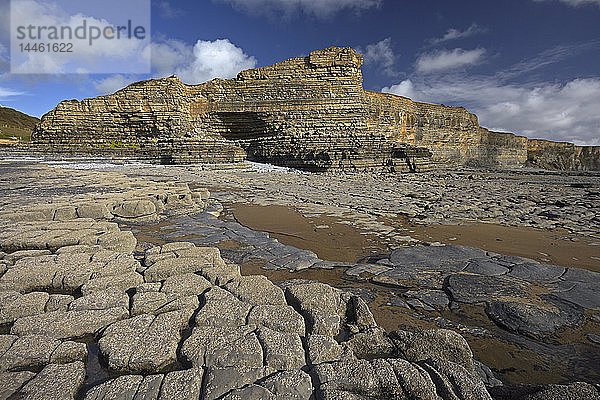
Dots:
{"x": 308, "y": 112}
{"x": 15, "y": 124}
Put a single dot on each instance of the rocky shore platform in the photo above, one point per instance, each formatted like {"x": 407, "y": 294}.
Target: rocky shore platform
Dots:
{"x": 131, "y": 283}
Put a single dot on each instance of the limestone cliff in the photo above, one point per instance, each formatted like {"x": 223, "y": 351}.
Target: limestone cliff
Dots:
{"x": 308, "y": 112}
{"x": 562, "y": 155}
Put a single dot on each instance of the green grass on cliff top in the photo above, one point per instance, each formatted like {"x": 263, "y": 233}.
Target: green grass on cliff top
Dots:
{"x": 14, "y": 123}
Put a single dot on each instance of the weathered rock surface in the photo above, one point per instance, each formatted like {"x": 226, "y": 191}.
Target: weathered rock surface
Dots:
{"x": 11, "y": 382}
{"x": 174, "y": 385}
{"x": 229, "y": 336}
{"x": 33, "y": 352}
{"x": 68, "y": 324}
{"x": 440, "y": 343}
{"x": 577, "y": 390}
{"x": 520, "y": 295}
{"x": 61, "y": 382}
{"x": 145, "y": 343}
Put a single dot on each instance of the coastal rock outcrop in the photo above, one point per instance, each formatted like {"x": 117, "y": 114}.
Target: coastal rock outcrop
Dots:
{"x": 308, "y": 112}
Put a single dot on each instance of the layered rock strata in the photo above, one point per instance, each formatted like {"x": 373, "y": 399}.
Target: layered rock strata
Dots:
{"x": 307, "y": 112}
{"x": 562, "y": 156}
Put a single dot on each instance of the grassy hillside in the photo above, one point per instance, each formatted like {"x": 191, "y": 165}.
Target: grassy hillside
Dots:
{"x": 14, "y": 123}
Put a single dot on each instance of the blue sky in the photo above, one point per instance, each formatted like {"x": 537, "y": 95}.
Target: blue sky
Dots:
{"x": 526, "y": 66}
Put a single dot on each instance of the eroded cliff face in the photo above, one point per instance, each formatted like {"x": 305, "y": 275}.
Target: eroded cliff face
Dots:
{"x": 148, "y": 119}
{"x": 452, "y": 134}
{"x": 562, "y": 155}
{"x": 308, "y": 112}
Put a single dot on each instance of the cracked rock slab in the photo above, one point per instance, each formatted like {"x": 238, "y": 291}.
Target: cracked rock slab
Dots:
{"x": 123, "y": 387}
{"x": 22, "y": 306}
{"x": 184, "y": 385}
{"x": 220, "y": 381}
{"x": 320, "y": 305}
{"x": 323, "y": 349}
{"x": 257, "y": 289}
{"x": 11, "y": 382}
{"x": 121, "y": 283}
{"x": 222, "y": 308}
{"x": 293, "y": 385}
{"x": 434, "y": 255}
{"x": 143, "y": 344}
{"x": 188, "y": 260}
{"x": 434, "y": 343}
{"x": 101, "y": 300}
{"x": 60, "y": 382}
{"x": 158, "y": 303}
{"x": 454, "y": 381}
{"x": 250, "y": 392}
{"x": 28, "y": 352}
{"x": 223, "y": 347}
{"x": 536, "y": 320}
{"x": 185, "y": 285}
{"x": 478, "y": 288}
{"x": 68, "y": 324}
{"x": 279, "y": 318}
{"x": 282, "y": 351}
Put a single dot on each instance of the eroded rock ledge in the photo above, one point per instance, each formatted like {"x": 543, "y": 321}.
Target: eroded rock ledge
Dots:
{"x": 308, "y": 112}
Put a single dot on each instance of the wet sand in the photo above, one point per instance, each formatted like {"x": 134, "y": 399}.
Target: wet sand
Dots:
{"x": 331, "y": 239}
{"x": 328, "y": 237}
{"x": 540, "y": 245}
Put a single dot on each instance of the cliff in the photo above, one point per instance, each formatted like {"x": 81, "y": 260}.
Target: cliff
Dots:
{"x": 562, "y": 155}
{"x": 308, "y": 112}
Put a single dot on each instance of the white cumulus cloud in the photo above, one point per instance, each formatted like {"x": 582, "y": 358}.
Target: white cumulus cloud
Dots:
{"x": 6, "y": 93}
{"x": 380, "y": 55}
{"x": 287, "y": 8}
{"x": 443, "y": 60}
{"x": 112, "y": 83}
{"x": 195, "y": 64}
{"x": 86, "y": 55}
{"x": 202, "y": 62}
{"x": 4, "y": 64}
{"x": 167, "y": 10}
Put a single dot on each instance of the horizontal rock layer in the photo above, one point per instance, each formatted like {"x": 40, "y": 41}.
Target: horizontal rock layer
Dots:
{"x": 308, "y": 112}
